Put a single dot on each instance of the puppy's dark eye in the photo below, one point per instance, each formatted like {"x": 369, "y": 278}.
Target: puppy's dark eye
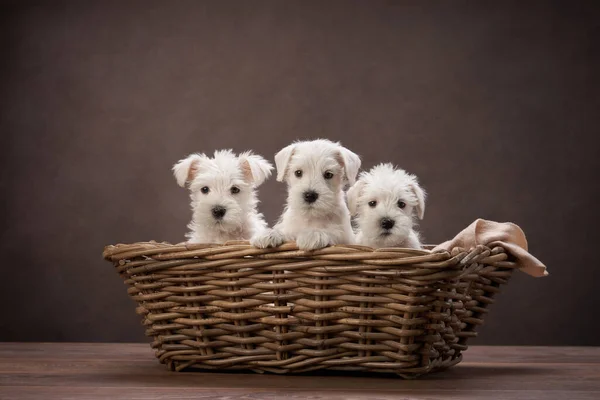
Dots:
{"x": 205, "y": 190}
{"x": 372, "y": 203}
{"x": 401, "y": 204}
{"x": 235, "y": 190}
{"x": 298, "y": 173}
{"x": 327, "y": 175}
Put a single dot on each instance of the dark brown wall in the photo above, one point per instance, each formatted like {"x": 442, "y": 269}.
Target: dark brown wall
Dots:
{"x": 494, "y": 105}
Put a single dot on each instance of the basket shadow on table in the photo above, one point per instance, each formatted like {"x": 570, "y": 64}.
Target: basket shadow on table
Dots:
{"x": 457, "y": 377}
{"x": 456, "y": 372}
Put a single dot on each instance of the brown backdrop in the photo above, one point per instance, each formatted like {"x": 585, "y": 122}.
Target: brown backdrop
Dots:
{"x": 493, "y": 105}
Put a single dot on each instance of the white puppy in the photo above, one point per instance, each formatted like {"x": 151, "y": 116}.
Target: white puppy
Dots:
{"x": 316, "y": 214}
{"x": 223, "y": 195}
{"x": 385, "y": 201}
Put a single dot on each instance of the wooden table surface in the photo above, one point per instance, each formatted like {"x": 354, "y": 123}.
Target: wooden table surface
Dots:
{"x": 130, "y": 371}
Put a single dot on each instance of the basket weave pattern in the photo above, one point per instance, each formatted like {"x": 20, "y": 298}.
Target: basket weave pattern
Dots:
{"x": 284, "y": 310}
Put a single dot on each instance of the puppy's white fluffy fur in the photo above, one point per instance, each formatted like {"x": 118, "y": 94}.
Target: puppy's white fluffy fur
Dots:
{"x": 225, "y": 182}
{"x": 382, "y": 195}
{"x": 323, "y": 168}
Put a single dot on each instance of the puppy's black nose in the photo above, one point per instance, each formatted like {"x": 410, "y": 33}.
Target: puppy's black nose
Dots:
{"x": 311, "y": 196}
{"x": 218, "y": 212}
{"x": 387, "y": 223}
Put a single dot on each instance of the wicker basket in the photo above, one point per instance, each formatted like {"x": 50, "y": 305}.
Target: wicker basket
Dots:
{"x": 282, "y": 310}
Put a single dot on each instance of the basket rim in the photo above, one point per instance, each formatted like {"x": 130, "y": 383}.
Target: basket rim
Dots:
{"x": 114, "y": 249}
{"x": 384, "y": 257}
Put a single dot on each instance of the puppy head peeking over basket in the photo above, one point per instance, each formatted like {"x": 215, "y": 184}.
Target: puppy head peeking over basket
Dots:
{"x": 386, "y": 201}
{"x": 223, "y": 193}
{"x": 316, "y": 214}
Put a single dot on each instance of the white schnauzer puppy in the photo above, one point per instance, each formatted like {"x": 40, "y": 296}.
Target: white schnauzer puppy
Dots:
{"x": 316, "y": 214}
{"x": 223, "y": 193}
{"x": 385, "y": 202}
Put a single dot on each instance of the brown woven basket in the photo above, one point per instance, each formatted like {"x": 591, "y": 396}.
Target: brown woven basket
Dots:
{"x": 282, "y": 310}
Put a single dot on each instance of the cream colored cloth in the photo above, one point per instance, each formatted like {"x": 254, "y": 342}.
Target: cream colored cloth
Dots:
{"x": 504, "y": 234}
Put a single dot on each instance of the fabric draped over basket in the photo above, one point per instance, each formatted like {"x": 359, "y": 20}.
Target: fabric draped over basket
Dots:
{"x": 503, "y": 234}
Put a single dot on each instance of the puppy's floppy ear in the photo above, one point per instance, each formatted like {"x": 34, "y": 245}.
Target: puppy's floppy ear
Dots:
{"x": 350, "y": 162}
{"x": 353, "y": 194}
{"x": 420, "y": 195}
{"x": 282, "y": 159}
{"x": 186, "y": 170}
{"x": 255, "y": 168}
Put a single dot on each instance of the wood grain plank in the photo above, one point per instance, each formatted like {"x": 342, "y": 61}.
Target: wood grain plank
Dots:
{"x": 67, "y": 393}
{"x": 464, "y": 376}
{"x": 84, "y": 370}
{"x": 142, "y": 351}
{"x": 532, "y": 354}
{"x": 78, "y": 351}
